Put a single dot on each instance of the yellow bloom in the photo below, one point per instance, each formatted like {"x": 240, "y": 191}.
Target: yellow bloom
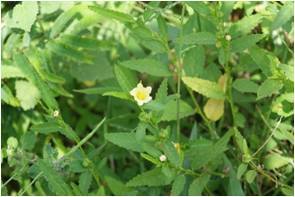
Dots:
{"x": 141, "y": 94}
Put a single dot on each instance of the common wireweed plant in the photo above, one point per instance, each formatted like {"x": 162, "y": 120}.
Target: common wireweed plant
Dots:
{"x": 147, "y": 98}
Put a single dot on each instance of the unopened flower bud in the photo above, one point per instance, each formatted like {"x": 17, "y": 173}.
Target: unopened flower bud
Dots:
{"x": 228, "y": 37}
{"x": 56, "y": 113}
{"x": 163, "y": 158}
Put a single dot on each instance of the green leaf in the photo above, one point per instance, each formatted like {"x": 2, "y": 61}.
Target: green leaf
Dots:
{"x": 28, "y": 140}
{"x": 200, "y": 38}
{"x": 172, "y": 154}
{"x": 63, "y": 21}
{"x": 121, "y": 95}
{"x": 194, "y": 61}
{"x": 85, "y": 180}
{"x": 275, "y": 160}
{"x": 283, "y": 105}
{"x": 241, "y": 170}
{"x": 126, "y": 78}
{"x": 154, "y": 177}
{"x": 8, "y": 97}
{"x": 98, "y": 90}
{"x": 125, "y": 140}
{"x": 122, "y": 17}
{"x": 178, "y": 185}
{"x": 48, "y": 7}
{"x": 260, "y": 57}
{"x": 197, "y": 186}
{"x": 55, "y": 180}
{"x": 28, "y": 70}
{"x": 170, "y": 110}
{"x": 141, "y": 131}
{"x": 11, "y": 72}
{"x": 245, "y": 42}
{"x": 149, "y": 66}
{"x": 21, "y": 17}
{"x": 245, "y": 85}
{"x": 55, "y": 126}
{"x": 286, "y": 69}
{"x": 284, "y": 15}
{"x": 27, "y": 94}
{"x": 85, "y": 42}
{"x": 203, "y": 151}
{"x": 162, "y": 92}
{"x": 245, "y": 25}
{"x": 118, "y": 188}
{"x": 233, "y": 185}
{"x": 268, "y": 87}
{"x": 68, "y": 51}
{"x": 207, "y": 88}
{"x": 250, "y": 176}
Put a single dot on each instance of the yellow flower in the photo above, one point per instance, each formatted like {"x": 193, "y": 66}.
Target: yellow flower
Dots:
{"x": 141, "y": 94}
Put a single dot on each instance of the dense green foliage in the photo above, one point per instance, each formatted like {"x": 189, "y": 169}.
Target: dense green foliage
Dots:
{"x": 220, "y": 121}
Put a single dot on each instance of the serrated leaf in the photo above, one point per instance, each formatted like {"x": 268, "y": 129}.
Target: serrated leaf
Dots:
{"x": 63, "y": 21}
{"x": 245, "y": 25}
{"x": 11, "y": 72}
{"x": 126, "y": 78}
{"x": 124, "y": 140}
{"x": 245, "y": 42}
{"x": 154, "y": 177}
{"x": 200, "y": 38}
{"x": 27, "y": 94}
{"x": 141, "y": 131}
{"x": 207, "y": 88}
{"x": 178, "y": 185}
{"x": 197, "y": 186}
{"x": 85, "y": 42}
{"x": 170, "y": 110}
{"x": 268, "y": 87}
{"x": 85, "y": 180}
{"x": 55, "y": 126}
{"x": 259, "y": 56}
{"x": 122, "y": 17}
{"x": 172, "y": 154}
{"x": 284, "y": 15}
{"x": 245, "y": 85}
{"x": 28, "y": 140}
{"x": 162, "y": 91}
{"x": 149, "y": 66}
{"x": 8, "y": 97}
{"x": 28, "y": 70}
{"x": 22, "y": 18}
{"x": 68, "y": 51}
{"x": 194, "y": 61}
{"x": 118, "y": 188}
{"x": 203, "y": 151}
{"x": 55, "y": 180}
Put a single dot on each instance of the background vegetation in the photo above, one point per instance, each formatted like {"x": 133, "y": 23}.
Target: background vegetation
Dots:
{"x": 221, "y": 118}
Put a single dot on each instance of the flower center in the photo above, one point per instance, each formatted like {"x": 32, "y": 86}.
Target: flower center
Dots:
{"x": 140, "y": 95}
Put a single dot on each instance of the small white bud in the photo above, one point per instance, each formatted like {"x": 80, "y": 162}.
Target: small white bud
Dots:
{"x": 228, "y": 37}
{"x": 163, "y": 158}
{"x": 56, "y": 113}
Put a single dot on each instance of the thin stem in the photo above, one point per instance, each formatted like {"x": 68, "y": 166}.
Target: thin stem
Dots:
{"x": 179, "y": 70}
{"x": 84, "y": 140}
{"x": 200, "y": 112}
{"x": 269, "y": 137}
{"x": 21, "y": 192}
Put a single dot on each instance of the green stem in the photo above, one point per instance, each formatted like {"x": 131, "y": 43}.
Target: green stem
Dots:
{"x": 21, "y": 192}
{"x": 179, "y": 70}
